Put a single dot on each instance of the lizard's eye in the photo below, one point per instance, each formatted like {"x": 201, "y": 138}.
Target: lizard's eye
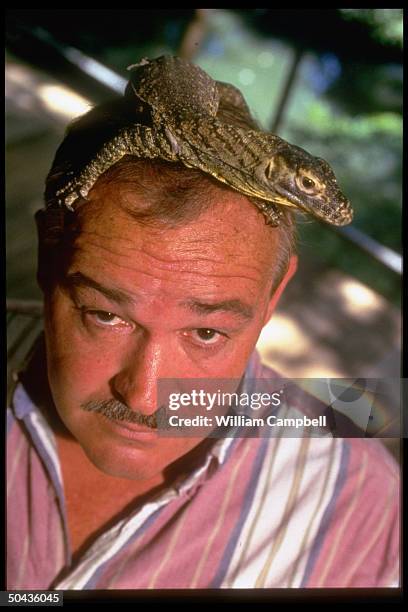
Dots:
{"x": 308, "y": 183}
{"x": 310, "y": 186}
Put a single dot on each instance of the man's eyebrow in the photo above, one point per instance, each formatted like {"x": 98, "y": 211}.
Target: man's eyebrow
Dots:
{"x": 235, "y": 306}
{"x": 77, "y": 279}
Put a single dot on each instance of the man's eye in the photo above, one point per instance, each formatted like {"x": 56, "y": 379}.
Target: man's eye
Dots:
{"x": 103, "y": 317}
{"x": 206, "y": 336}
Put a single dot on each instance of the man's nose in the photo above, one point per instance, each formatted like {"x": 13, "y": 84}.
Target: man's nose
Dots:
{"x": 135, "y": 384}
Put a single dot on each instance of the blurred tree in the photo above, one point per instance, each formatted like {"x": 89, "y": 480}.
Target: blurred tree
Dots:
{"x": 363, "y": 88}
{"x": 386, "y": 23}
{"x": 352, "y": 34}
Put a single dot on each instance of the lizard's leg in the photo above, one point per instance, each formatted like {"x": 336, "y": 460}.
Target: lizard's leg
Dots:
{"x": 272, "y": 213}
{"x": 230, "y": 95}
{"x": 138, "y": 140}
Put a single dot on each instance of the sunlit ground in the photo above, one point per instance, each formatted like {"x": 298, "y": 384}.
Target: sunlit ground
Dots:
{"x": 338, "y": 328}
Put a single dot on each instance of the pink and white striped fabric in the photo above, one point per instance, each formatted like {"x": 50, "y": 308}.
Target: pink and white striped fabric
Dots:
{"x": 257, "y": 513}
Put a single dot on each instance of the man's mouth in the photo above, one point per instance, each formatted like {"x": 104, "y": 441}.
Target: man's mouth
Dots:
{"x": 137, "y": 433}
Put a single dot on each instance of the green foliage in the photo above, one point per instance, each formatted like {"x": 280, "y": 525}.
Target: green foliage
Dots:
{"x": 387, "y": 24}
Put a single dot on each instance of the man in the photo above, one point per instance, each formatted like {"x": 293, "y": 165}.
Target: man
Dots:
{"x": 163, "y": 272}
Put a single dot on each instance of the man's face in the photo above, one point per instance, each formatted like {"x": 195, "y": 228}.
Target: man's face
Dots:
{"x": 139, "y": 303}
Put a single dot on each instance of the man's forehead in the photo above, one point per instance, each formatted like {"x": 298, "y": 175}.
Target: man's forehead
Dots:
{"x": 221, "y": 261}
{"x": 229, "y": 222}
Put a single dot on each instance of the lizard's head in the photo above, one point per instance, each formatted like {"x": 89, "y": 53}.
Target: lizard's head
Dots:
{"x": 297, "y": 179}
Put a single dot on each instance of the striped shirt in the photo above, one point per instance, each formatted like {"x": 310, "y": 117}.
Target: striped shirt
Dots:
{"x": 256, "y": 513}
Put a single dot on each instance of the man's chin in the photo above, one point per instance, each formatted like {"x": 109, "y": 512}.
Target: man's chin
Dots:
{"x": 119, "y": 463}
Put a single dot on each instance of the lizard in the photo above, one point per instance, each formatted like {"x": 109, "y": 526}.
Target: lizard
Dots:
{"x": 183, "y": 101}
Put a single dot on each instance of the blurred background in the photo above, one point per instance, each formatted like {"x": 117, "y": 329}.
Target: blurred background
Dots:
{"x": 329, "y": 81}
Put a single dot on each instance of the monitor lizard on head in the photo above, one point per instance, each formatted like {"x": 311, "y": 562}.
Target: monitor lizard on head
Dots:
{"x": 184, "y": 125}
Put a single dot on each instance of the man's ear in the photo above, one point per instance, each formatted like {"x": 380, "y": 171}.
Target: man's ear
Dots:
{"x": 293, "y": 261}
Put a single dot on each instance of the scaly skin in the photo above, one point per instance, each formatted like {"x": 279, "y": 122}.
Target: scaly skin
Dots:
{"x": 183, "y": 101}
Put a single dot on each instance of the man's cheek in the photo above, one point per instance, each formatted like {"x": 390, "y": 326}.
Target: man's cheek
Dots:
{"x": 87, "y": 373}
{"x": 78, "y": 369}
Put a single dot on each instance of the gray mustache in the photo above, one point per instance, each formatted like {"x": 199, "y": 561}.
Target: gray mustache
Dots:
{"x": 116, "y": 411}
